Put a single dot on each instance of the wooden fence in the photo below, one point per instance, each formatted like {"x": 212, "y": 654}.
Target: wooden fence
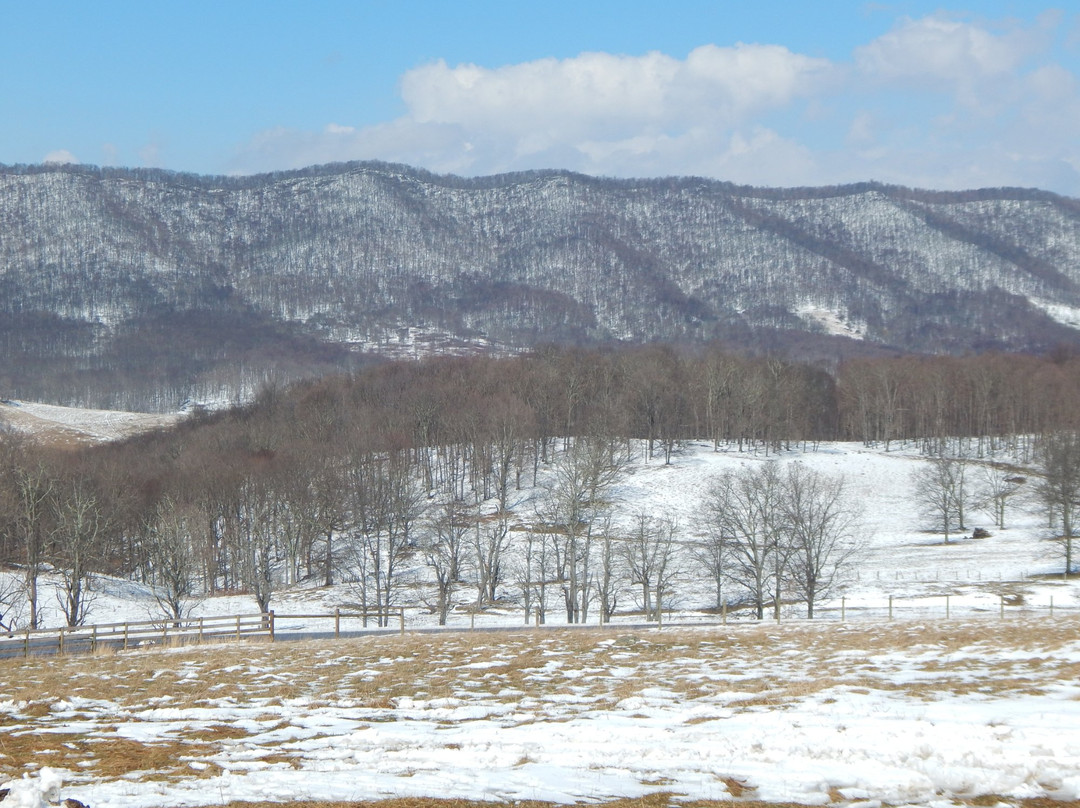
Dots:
{"x": 266, "y": 626}
{"x": 87, "y": 639}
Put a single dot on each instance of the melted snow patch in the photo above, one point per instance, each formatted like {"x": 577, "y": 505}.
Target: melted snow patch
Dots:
{"x": 831, "y": 321}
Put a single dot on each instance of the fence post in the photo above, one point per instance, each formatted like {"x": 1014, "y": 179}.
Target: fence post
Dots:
{"x": 472, "y": 620}
{"x": 890, "y": 607}
{"x": 1002, "y": 607}
{"x": 1051, "y": 605}
{"x": 60, "y": 643}
{"x": 200, "y": 630}
{"x": 337, "y": 622}
{"x": 125, "y": 636}
{"x": 237, "y": 627}
{"x": 843, "y": 609}
{"x": 93, "y": 639}
{"x": 723, "y": 612}
{"x": 402, "y": 613}
{"x": 26, "y": 644}
{"x": 271, "y": 625}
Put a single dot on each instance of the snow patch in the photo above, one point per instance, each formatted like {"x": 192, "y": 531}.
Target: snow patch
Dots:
{"x": 80, "y": 424}
{"x": 1059, "y": 312}
{"x": 833, "y": 322}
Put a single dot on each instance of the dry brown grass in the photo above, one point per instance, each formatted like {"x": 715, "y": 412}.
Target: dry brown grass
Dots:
{"x": 655, "y": 800}
{"x": 739, "y": 667}
{"x": 432, "y": 667}
{"x": 119, "y": 757}
{"x": 106, "y": 757}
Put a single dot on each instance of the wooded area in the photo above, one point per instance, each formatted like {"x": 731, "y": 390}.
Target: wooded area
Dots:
{"x": 417, "y": 464}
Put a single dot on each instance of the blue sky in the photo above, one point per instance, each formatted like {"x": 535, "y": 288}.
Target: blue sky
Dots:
{"x": 766, "y": 92}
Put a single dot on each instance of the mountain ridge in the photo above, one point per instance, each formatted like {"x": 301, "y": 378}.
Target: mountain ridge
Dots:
{"x": 110, "y": 275}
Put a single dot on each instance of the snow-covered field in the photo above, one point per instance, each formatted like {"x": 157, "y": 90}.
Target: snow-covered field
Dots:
{"x": 920, "y": 710}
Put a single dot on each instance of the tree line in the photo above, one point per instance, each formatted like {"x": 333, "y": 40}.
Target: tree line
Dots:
{"x": 428, "y": 465}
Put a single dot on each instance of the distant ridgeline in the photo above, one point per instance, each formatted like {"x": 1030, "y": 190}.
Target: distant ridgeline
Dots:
{"x": 144, "y": 288}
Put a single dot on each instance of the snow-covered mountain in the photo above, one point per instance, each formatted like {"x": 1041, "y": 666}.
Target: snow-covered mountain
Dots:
{"x": 117, "y": 272}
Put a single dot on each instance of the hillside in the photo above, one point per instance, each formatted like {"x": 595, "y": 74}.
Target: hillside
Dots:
{"x": 68, "y": 427}
{"x": 900, "y": 554}
{"x": 173, "y": 286}
{"x": 922, "y": 709}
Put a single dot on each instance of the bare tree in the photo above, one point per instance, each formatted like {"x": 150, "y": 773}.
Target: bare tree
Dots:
{"x": 578, "y": 495}
{"x": 174, "y": 566}
{"x": 1060, "y": 488}
{"x": 944, "y": 492}
{"x": 35, "y": 489}
{"x": 710, "y": 551}
{"x": 79, "y": 530}
{"x": 491, "y": 541}
{"x": 821, "y": 525}
{"x": 444, "y": 546}
{"x": 611, "y": 570}
{"x": 997, "y": 487}
{"x": 330, "y": 508}
{"x": 742, "y": 510}
{"x": 650, "y": 553}
{"x": 387, "y": 502}
{"x": 537, "y": 570}
{"x": 253, "y": 527}
{"x": 12, "y": 602}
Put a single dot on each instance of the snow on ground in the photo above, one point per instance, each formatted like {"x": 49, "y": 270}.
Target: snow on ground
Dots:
{"x": 900, "y": 713}
{"x": 76, "y": 425}
{"x": 914, "y": 711}
{"x": 899, "y": 559}
{"x": 1059, "y": 312}
{"x": 830, "y": 321}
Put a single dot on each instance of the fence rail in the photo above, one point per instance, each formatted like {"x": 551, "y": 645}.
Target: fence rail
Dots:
{"x": 266, "y": 626}
{"x": 87, "y": 639}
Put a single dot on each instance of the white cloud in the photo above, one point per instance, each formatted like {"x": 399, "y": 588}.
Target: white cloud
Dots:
{"x": 938, "y": 102}
{"x": 587, "y": 113}
{"x": 60, "y": 156}
{"x": 600, "y": 94}
{"x": 941, "y": 49}
{"x": 979, "y": 64}
{"x": 150, "y": 154}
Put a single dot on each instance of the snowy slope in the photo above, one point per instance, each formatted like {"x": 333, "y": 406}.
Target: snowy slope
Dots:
{"x": 899, "y": 557}
{"x": 75, "y": 426}
{"x": 918, "y": 711}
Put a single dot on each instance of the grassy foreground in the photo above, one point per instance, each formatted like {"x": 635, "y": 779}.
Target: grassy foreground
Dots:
{"x": 65, "y": 713}
{"x": 662, "y": 800}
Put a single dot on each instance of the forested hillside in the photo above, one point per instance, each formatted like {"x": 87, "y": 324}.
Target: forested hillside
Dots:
{"x": 145, "y": 288}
